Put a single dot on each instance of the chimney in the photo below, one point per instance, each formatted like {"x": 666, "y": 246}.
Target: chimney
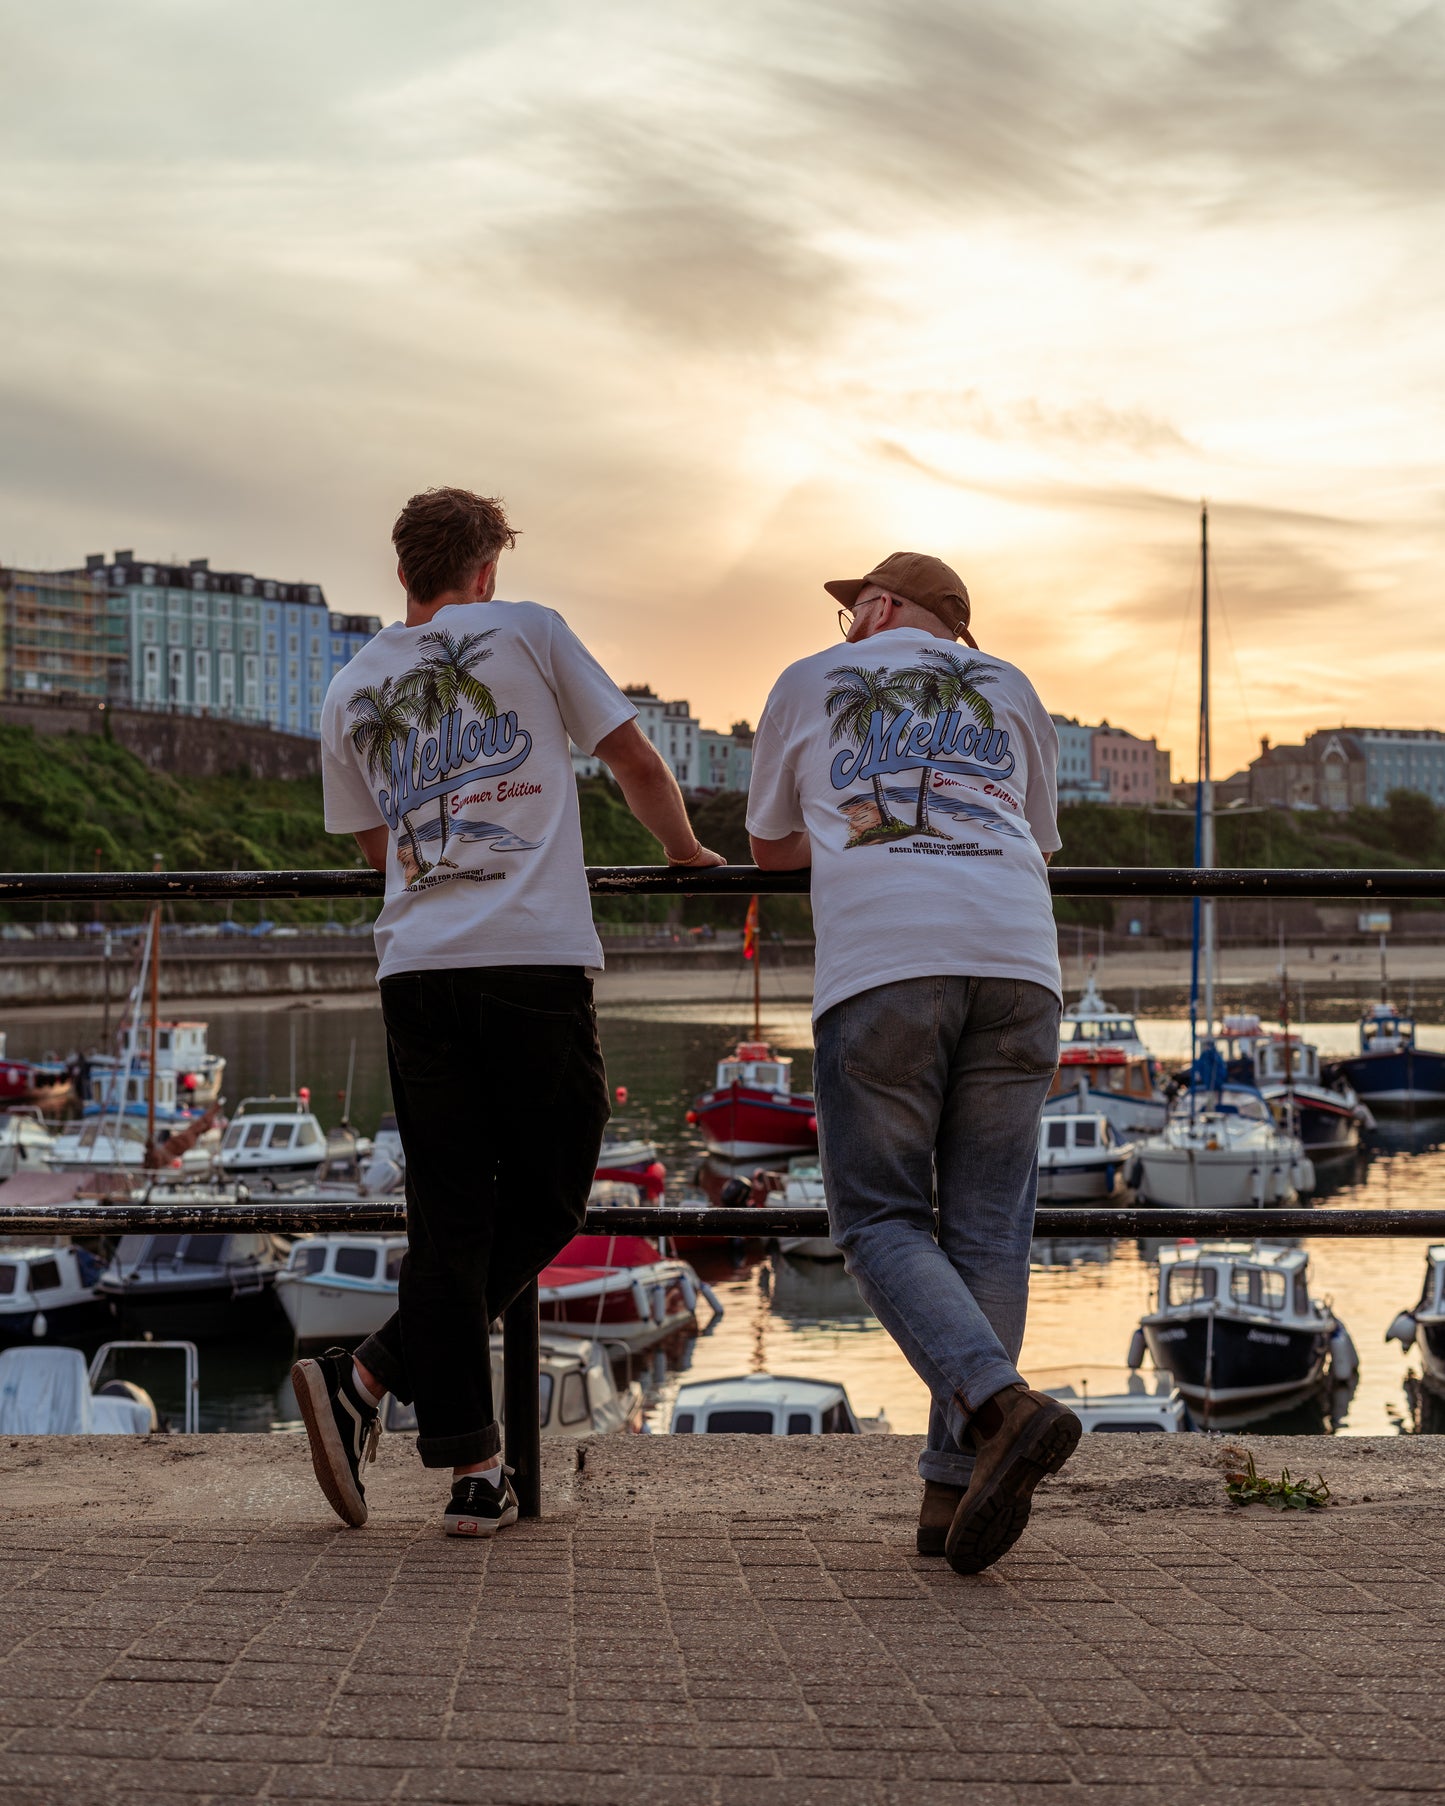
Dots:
{"x": 200, "y": 564}
{"x": 95, "y": 561}
{"x": 125, "y": 557}
{"x": 1263, "y": 745}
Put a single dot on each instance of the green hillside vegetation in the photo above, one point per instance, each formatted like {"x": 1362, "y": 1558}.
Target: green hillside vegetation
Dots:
{"x": 82, "y": 803}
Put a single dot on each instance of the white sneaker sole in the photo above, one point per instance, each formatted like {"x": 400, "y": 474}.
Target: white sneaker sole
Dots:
{"x": 459, "y": 1526}
{"x": 328, "y": 1457}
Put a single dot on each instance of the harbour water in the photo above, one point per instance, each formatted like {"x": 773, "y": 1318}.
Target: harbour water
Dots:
{"x": 804, "y": 1317}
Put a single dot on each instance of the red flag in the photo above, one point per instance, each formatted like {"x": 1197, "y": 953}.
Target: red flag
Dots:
{"x": 750, "y": 931}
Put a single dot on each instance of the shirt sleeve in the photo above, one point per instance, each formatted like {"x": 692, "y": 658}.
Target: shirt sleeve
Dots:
{"x": 775, "y": 809}
{"x": 591, "y": 705}
{"x": 1041, "y": 801}
{"x": 351, "y": 804}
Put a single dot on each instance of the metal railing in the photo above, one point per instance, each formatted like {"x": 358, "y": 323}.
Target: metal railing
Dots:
{"x": 521, "y": 1325}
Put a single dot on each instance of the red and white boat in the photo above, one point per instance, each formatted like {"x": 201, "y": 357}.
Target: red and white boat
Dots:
{"x": 752, "y": 1111}
{"x": 618, "y": 1288}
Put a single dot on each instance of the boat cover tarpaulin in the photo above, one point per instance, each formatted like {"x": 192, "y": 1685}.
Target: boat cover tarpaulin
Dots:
{"x": 46, "y": 1392}
{"x": 42, "y": 1191}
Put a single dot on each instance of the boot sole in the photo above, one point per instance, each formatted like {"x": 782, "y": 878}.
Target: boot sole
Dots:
{"x": 328, "y": 1457}
{"x": 987, "y": 1527}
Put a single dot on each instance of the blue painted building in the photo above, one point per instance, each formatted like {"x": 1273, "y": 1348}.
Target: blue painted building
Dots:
{"x": 224, "y": 643}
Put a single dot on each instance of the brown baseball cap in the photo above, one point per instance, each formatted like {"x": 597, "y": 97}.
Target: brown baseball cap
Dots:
{"x": 920, "y": 579}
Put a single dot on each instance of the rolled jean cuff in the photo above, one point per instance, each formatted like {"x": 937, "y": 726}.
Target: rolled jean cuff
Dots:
{"x": 945, "y": 1469}
{"x": 376, "y": 1358}
{"x": 983, "y": 1384}
{"x": 456, "y": 1451}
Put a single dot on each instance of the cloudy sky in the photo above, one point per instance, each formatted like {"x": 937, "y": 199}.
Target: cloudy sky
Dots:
{"x": 725, "y": 301}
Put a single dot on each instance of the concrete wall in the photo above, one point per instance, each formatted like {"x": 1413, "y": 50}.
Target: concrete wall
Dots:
{"x": 61, "y": 979}
{"x": 203, "y": 746}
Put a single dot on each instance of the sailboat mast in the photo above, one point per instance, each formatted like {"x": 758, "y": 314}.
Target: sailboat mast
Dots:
{"x": 757, "y": 976}
{"x": 1206, "y": 777}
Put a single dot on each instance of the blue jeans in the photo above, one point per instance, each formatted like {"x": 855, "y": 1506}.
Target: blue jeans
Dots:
{"x": 933, "y": 1088}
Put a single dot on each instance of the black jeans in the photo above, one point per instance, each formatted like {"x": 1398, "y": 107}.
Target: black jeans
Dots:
{"x": 501, "y": 1100}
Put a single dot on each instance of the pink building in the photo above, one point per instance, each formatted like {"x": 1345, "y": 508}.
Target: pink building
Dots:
{"x": 1135, "y": 770}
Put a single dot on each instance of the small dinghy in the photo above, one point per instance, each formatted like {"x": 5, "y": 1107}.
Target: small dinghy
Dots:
{"x": 769, "y": 1404}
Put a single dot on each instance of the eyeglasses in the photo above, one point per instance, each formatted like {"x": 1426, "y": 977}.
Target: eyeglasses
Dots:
{"x": 846, "y": 613}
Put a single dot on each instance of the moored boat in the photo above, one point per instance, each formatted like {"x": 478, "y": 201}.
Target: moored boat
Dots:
{"x": 1236, "y": 1326}
{"x": 577, "y": 1393}
{"x": 752, "y": 1111}
{"x": 769, "y": 1404}
{"x": 1081, "y": 1159}
{"x": 180, "y": 1048}
{"x": 48, "y": 1293}
{"x": 340, "y": 1287}
{"x": 1222, "y": 1149}
{"x": 25, "y": 1142}
{"x": 1285, "y": 1070}
{"x": 618, "y": 1288}
{"x": 1423, "y": 1327}
{"x": 1391, "y": 1071}
{"x": 272, "y": 1138}
{"x": 200, "y": 1285}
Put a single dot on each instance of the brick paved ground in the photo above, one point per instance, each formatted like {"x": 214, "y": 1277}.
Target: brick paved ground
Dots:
{"x": 201, "y": 1632}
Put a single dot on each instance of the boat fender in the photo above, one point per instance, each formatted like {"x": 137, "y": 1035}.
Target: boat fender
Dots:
{"x": 1344, "y": 1362}
{"x": 1109, "y": 1177}
{"x": 1402, "y": 1330}
{"x": 689, "y": 1289}
{"x": 659, "y": 1304}
{"x": 640, "y": 1301}
{"x": 39, "y": 1327}
{"x": 1136, "y": 1351}
{"x": 1303, "y": 1174}
{"x": 1133, "y": 1173}
{"x": 714, "y": 1302}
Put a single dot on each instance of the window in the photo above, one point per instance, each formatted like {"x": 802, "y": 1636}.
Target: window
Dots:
{"x": 7, "y": 1281}
{"x": 293, "y": 643}
{"x": 255, "y": 1134}
{"x": 740, "y": 1423}
{"x": 356, "y": 1263}
{"x": 836, "y": 1421}
{"x": 1058, "y": 1133}
{"x": 45, "y": 1276}
{"x": 203, "y": 1250}
{"x": 800, "y": 1423}
{"x": 394, "y": 1257}
{"x": 175, "y": 633}
{"x": 544, "y": 1397}
{"x": 312, "y": 1258}
{"x": 1260, "y": 1287}
{"x": 309, "y": 1135}
{"x": 574, "y": 1399}
{"x": 1085, "y": 1135}
{"x": 1301, "y": 1296}
{"x": 1191, "y": 1284}
{"x": 682, "y": 1424}
{"x": 198, "y": 633}
{"x": 282, "y": 1134}
{"x": 148, "y": 633}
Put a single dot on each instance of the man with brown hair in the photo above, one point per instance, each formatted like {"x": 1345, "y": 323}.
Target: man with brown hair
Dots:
{"x": 445, "y": 751}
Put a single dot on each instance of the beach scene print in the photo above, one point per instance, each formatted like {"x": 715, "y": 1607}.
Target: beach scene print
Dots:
{"x": 438, "y": 742}
{"x": 933, "y": 719}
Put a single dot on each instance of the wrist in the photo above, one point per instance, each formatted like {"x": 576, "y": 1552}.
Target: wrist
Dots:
{"x": 684, "y": 858}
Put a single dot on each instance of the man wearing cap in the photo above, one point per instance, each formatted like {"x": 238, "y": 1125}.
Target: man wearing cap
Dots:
{"x": 918, "y": 781}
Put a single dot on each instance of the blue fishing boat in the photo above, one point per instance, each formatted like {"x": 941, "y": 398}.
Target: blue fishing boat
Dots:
{"x": 1390, "y": 1071}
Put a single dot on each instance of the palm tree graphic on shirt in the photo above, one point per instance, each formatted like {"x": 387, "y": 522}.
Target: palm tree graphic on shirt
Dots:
{"x": 945, "y": 683}
{"x": 383, "y": 720}
{"x": 440, "y": 683}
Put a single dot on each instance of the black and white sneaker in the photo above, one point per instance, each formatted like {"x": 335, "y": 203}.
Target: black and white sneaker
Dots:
{"x": 477, "y": 1508}
{"x": 341, "y": 1427}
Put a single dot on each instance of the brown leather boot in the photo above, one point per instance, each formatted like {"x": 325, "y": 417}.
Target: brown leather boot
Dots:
{"x": 939, "y": 1504}
{"x": 1020, "y": 1435}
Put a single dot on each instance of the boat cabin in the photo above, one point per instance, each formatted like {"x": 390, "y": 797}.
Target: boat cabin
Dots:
{"x": 1384, "y": 1030}
{"x": 355, "y": 1260}
{"x": 763, "y": 1404}
{"x": 275, "y": 1133}
{"x": 179, "y": 1045}
{"x": 754, "y": 1066}
{"x": 25, "y": 1142}
{"x": 114, "y": 1087}
{"x": 1093, "y": 1023}
{"x": 1060, "y": 1136}
{"x": 1116, "y": 1401}
{"x": 1102, "y": 1069}
{"x": 1246, "y": 1277}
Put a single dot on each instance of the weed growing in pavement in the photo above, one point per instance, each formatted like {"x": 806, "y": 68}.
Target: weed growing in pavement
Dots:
{"x": 1250, "y": 1488}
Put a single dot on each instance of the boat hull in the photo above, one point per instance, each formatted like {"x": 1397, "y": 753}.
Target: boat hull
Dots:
{"x": 1402, "y": 1080}
{"x": 1214, "y": 1179}
{"x": 17, "y": 1328}
{"x": 1241, "y": 1362}
{"x": 1430, "y": 1340}
{"x": 741, "y": 1123}
{"x": 1129, "y": 1117}
{"x": 201, "y": 1311}
{"x": 323, "y": 1310}
{"x": 1080, "y": 1182}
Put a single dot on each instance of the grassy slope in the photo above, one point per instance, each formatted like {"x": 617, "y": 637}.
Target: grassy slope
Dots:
{"x": 68, "y": 802}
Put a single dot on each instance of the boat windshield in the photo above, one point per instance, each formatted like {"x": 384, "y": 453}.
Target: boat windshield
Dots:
{"x": 1102, "y": 1028}
{"x": 1191, "y": 1284}
{"x": 1260, "y": 1287}
{"x": 1386, "y": 1032}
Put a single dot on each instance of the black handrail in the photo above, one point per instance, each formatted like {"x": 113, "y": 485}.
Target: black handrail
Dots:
{"x": 1371, "y": 883}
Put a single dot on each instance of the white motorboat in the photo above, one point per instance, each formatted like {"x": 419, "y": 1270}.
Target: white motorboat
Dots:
{"x": 577, "y": 1394}
{"x": 48, "y": 1292}
{"x": 1095, "y": 1079}
{"x": 1220, "y": 1150}
{"x": 1081, "y": 1159}
{"x": 1424, "y": 1326}
{"x": 25, "y": 1142}
{"x": 1111, "y": 1400}
{"x": 1236, "y": 1326}
{"x": 1093, "y": 1023}
{"x": 340, "y": 1287}
{"x": 180, "y": 1049}
{"x": 768, "y": 1404}
{"x": 272, "y": 1138}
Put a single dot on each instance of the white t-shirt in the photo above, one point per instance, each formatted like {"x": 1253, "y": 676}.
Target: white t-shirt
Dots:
{"x": 925, "y": 775}
{"x": 454, "y": 736}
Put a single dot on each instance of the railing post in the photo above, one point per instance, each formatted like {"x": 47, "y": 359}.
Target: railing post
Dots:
{"x": 521, "y": 1391}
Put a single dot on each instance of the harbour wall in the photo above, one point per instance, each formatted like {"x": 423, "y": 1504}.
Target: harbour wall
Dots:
{"x": 200, "y": 745}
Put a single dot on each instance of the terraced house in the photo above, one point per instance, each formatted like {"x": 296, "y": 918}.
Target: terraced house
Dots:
{"x": 223, "y": 642}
